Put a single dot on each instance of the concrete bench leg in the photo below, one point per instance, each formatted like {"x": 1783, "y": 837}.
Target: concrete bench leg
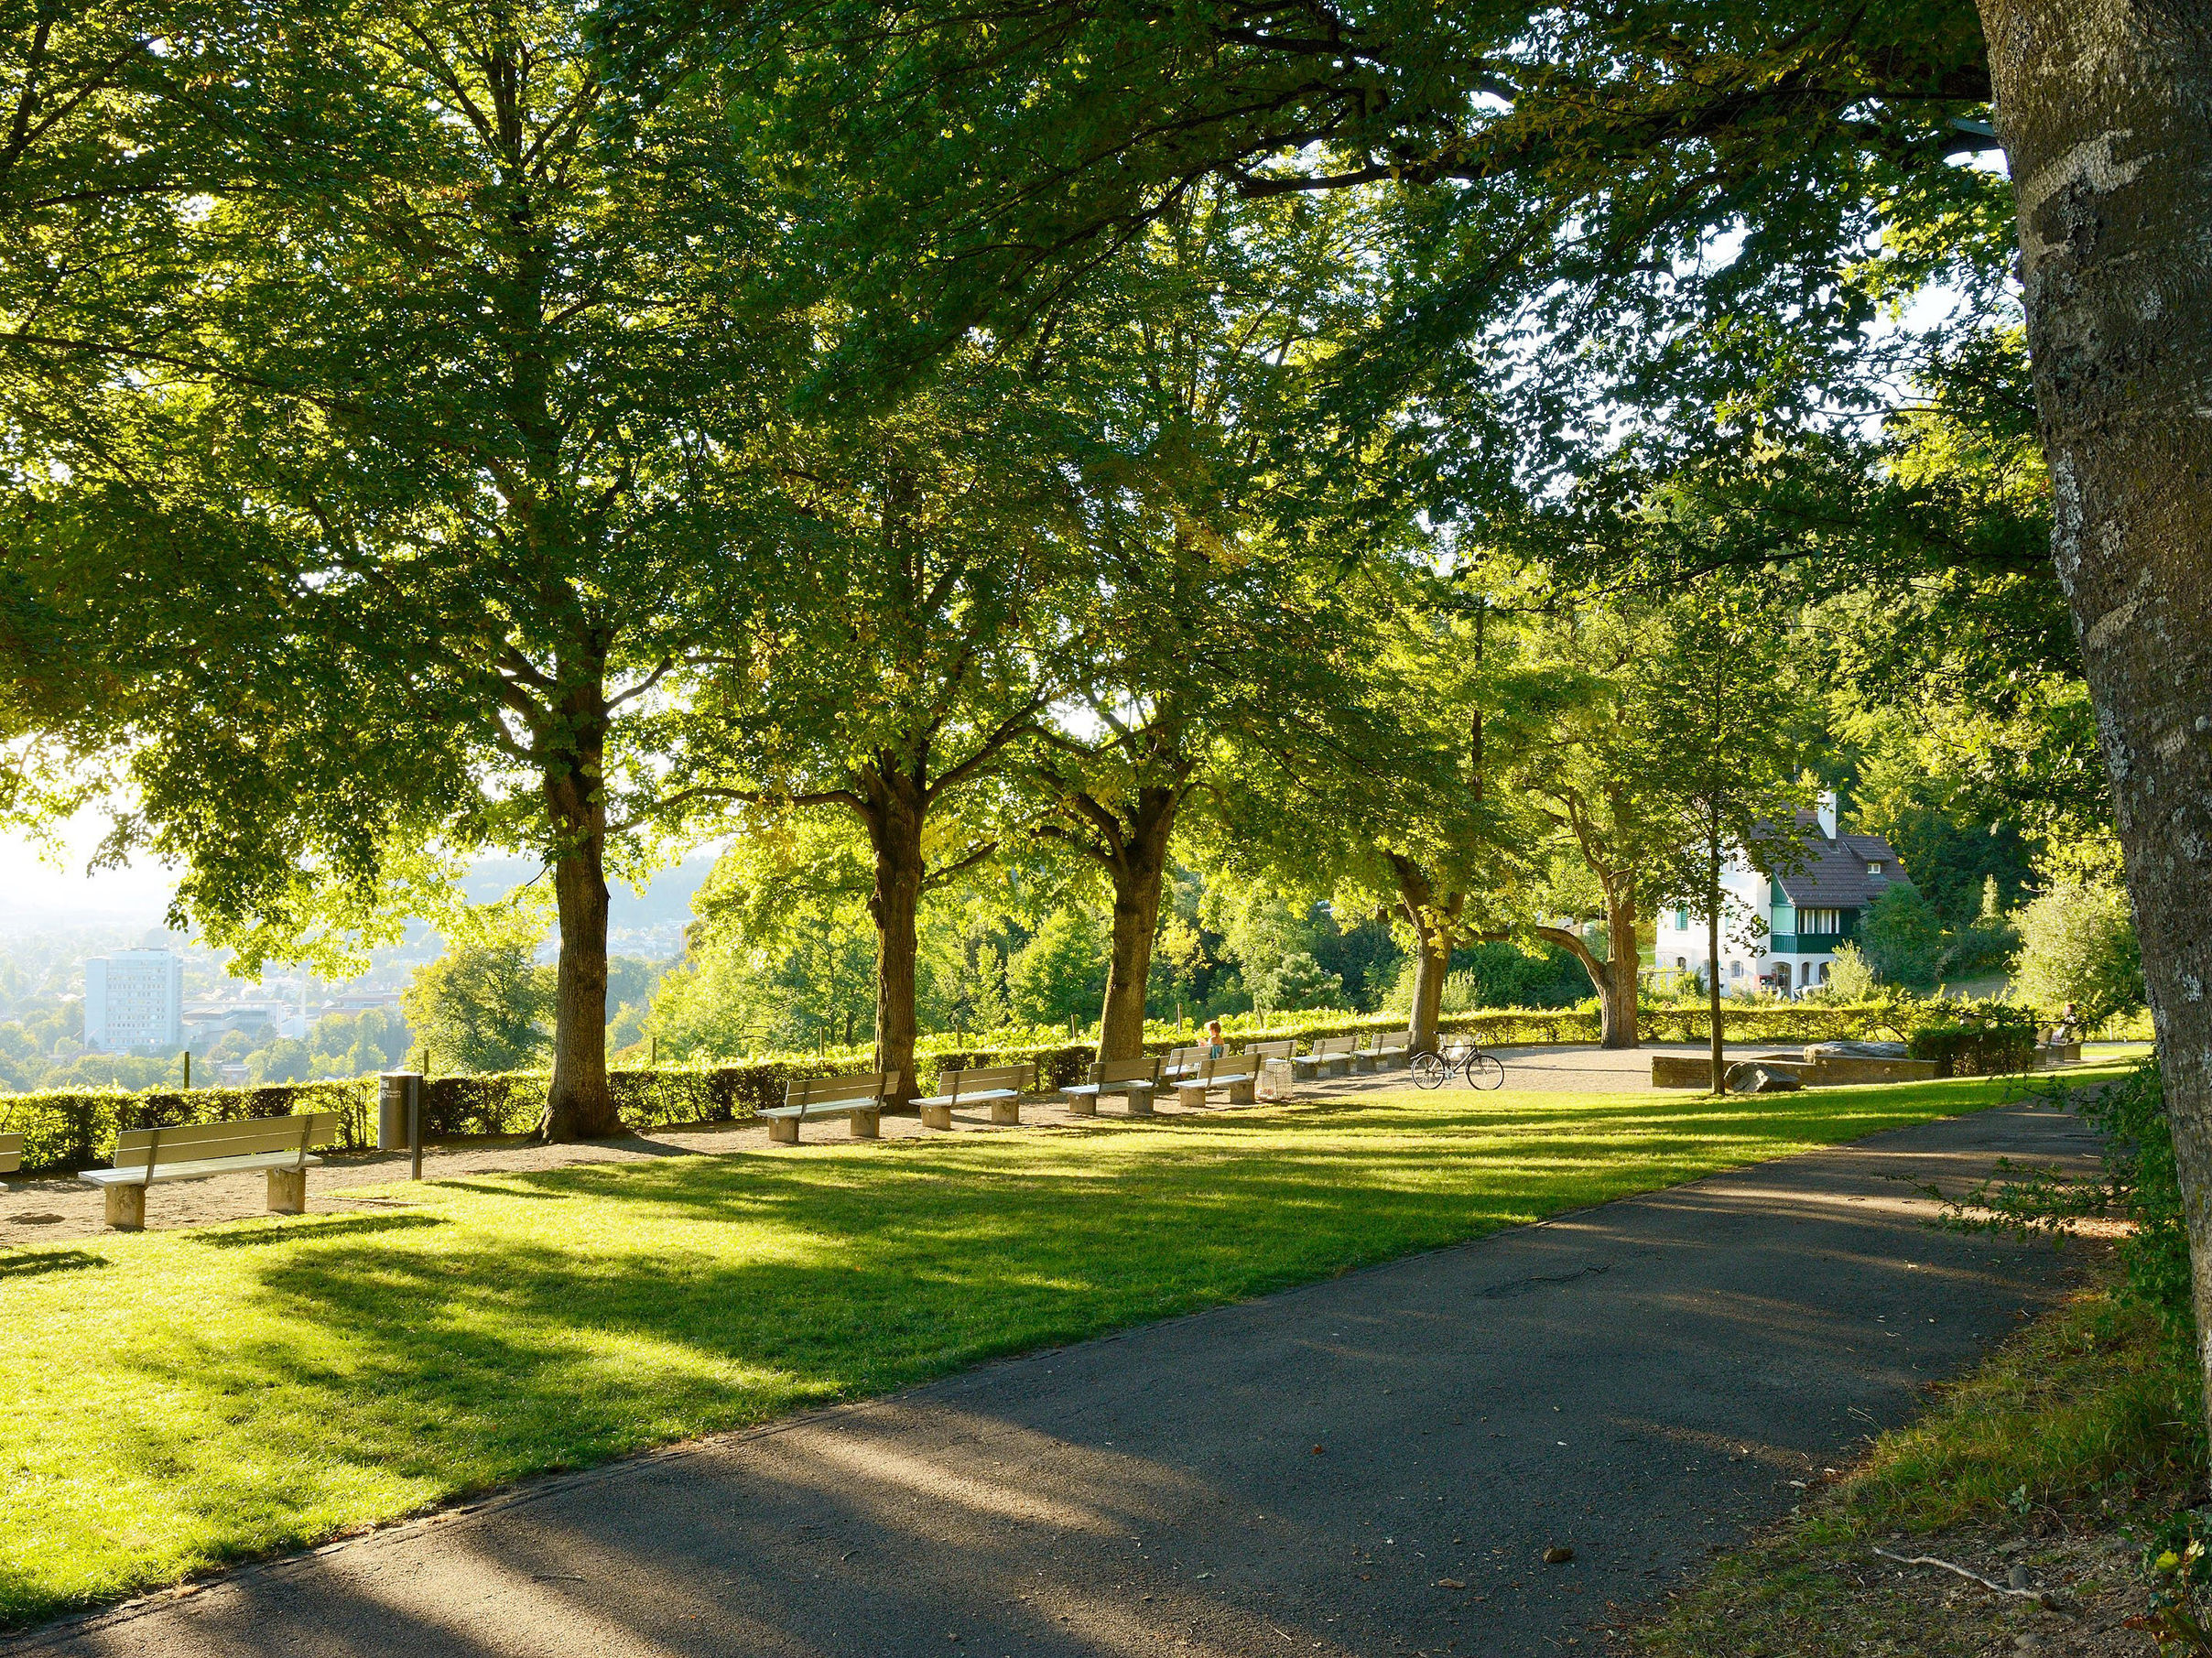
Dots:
{"x": 126, "y": 1208}
{"x": 1364, "y": 1062}
{"x": 288, "y": 1191}
{"x": 1140, "y": 1102}
{"x": 1082, "y": 1105}
{"x": 1241, "y": 1093}
{"x": 932, "y": 1116}
{"x": 1006, "y": 1111}
{"x": 784, "y": 1131}
{"x": 1337, "y": 1067}
{"x": 868, "y": 1125}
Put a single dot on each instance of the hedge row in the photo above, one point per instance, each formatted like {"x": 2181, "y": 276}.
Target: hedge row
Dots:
{"x": 68, "y": 1131}
{"x": 72, "y": 1130}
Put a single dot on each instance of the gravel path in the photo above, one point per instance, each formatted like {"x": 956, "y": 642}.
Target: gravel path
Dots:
{"x": 49, "y": 1208}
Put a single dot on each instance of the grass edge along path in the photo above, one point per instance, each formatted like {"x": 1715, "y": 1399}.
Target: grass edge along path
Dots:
{"x": 188, "y": 1399}
{"x": 2061, "y": 1452}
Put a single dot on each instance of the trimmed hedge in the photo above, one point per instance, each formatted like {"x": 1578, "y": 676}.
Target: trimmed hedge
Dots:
{"x": 65, "y": 1131}
{"x": 1992, "y": 1040}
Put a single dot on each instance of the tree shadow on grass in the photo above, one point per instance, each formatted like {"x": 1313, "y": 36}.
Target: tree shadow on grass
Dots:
{"x": 54, "y": 1260}
{"x": 263, "y": 1237}
{"x": 376, "y": 1363}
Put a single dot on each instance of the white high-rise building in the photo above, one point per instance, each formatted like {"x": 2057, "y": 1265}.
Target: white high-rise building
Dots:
{"x": 134, "y": 999}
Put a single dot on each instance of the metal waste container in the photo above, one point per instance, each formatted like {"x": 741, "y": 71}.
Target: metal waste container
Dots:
{"x": 393, "y": 1090}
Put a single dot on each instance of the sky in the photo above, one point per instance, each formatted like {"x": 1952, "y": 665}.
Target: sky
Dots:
{"x": 34, "y": 886}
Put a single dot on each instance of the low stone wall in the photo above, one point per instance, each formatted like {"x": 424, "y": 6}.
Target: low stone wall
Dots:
{"x": 1687, "y": 1071}
{"x": 1832, "y": 1072}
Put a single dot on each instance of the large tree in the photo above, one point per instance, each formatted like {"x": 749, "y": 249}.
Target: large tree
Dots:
{"x": 1217, "y": 636}
{"x": 921, "y": 629}
{"x": 465, "y": 397}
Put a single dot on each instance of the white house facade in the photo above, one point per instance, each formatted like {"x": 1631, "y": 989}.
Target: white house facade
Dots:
{"x": 1807, "y": 912}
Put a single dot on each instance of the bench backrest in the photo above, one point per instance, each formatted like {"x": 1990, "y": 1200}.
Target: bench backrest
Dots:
{"x": 837, "y": 1090}
{"x": 1325, "y": 1046}
{"x": 11, "y": 1153}
{"x": 1274, "y": 1050}
{"x": 153, "y": 1148}
{"x": 1230, "y": 1068}
{"x": 1188, "y": 1056}
{"x": 1382, "y": 1042}
{"x": 1144, "y": 1067}
{"x": 988, "y": 1079}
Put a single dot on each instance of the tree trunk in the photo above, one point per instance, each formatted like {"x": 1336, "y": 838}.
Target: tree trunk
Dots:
{"x": 1139, "y": 872}
{"x": 895, "y": 830}
{"x": 2102, "y": 109}
{"x": 1431, "y": 920}
{"x": 1617, "y": 992}
{"x": 578, "y": 1103}
{"x": 1712, "y": 954}
{"x": 1432, "y": 966}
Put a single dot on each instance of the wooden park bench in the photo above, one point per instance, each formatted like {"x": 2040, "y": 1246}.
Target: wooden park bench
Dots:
{"x": 1137, "y": 1079}
{"x": 151, "y": 1156}
{"x": 998, "y": 1086}
{"x": 858, "y": 1096}
{"x": 1278, "y": 1068}
{"x": 1331, "y": 1057}
{"x": 1383, "y": 1051}
{"x": 11, "y": 1155}
{"x": 1183, "y": 1062}
{"x": 1234, "y": 1074}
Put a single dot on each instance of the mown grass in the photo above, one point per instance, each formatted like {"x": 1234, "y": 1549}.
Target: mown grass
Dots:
{"x": 182, "y": 1399}
{"x": 2090, "y": 1417}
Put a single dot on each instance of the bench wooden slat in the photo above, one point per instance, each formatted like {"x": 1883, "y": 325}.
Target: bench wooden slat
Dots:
{"x": 1137, "y": 1079}
{"x": 858, "y": 1096}
{"x": 862, "y": 1086}
{"x": 11, "y": 1153}
{"x": 199, "y": 1150}
{"x": 197, "y": 1142}
{"x": 202, "y": 1169}
{"x": 998, "y": 1086}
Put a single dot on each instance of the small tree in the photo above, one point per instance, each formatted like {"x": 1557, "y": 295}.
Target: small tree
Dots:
{"x": 1718, "y": 758}
{"x": 486, "y": 1004}
{"x": 1851, "y": 978}
{"x": 2079, "y": 944}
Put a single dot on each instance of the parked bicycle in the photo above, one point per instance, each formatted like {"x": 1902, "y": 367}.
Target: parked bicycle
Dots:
{"x": 1433, "y": 1069}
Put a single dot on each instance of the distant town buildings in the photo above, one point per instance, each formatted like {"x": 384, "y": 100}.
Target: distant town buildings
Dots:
{"x": 134, "y": 999}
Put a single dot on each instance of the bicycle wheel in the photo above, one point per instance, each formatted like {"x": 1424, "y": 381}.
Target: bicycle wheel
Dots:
{"x": 1429, "y": 1070}
{"x": 1485, "y": 1070}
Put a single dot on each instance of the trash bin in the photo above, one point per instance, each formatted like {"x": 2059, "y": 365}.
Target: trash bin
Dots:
{"x": 392, "y": 1091}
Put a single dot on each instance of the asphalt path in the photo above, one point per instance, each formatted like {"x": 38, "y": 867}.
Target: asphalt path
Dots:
{"x": 1373, "y": 1465}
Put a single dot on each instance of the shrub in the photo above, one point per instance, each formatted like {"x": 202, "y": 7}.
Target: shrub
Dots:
{"x": 1985, "y": 1039}
{"x": 2079, "y": 944}
{"x": 1850, "y": 976}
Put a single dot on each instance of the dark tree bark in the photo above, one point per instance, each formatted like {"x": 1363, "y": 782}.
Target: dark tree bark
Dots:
{"x": 1712, "y": 951}
{"x": 2106, "y": 112}
{"x": 1433, "y": 918}
{"x": 1614, "y": 979}
{"x": 578, "y": 1105}
{"x": 1136, "y": 862}
{"x": 896, "y": 806}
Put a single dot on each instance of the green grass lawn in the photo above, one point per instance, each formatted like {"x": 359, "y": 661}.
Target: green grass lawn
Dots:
{"x": 186, "y": 1398}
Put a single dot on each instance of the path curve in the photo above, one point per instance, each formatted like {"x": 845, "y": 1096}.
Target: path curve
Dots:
{"x": 1370, "y": 1465}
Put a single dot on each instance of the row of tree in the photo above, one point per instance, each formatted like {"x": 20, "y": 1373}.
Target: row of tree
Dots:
{"x": 572, "y": 426}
